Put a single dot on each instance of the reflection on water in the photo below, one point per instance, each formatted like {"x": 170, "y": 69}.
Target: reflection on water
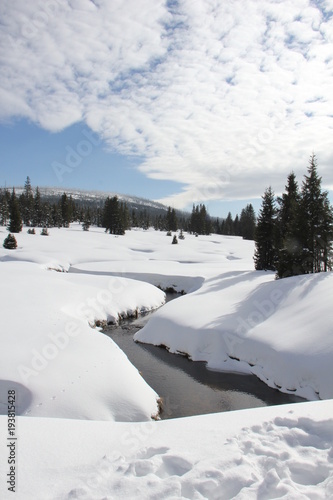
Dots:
{"x": 187, "y": 387}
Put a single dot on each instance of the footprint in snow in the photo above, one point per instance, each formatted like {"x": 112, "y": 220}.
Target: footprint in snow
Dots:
{"x": 173, "y": 465}
{"x": 151, "y": 452}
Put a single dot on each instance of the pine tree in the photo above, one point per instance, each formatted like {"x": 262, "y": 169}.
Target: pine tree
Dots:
{"x": 4, "y": 206}
{"x": 200, "y": 222}
{"x": 265, "y": 251}
{"x": 112, "y": 219}
{"x": 288, "y": 231}
{"x": 27, "y": 203}
{"x": 247, "y": 222}
{"x": 10, "y": 242}
{"x": 15, "y": 220}
{"x": 66, "y": 210}
{"x": 228, "y": 225}
{"x": 316, "y": 222}
{"x": 86, "y": 220}
{"x": 37, "y": 219}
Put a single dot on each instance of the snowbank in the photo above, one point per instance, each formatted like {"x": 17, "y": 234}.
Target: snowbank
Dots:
{"x": 280, "y": 331}
{"x": 284, "y": 451}
{"x": 58, "y": 364}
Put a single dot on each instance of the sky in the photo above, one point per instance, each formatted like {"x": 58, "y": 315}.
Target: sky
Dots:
{"x": 180, "y": 101}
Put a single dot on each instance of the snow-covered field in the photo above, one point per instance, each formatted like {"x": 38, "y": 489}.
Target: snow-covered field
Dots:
{"x": 63, "y": 369}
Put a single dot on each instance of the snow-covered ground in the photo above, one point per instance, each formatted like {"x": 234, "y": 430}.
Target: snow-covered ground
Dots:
{"x": 234, "y": 318}
{"x": 272, "y": 452}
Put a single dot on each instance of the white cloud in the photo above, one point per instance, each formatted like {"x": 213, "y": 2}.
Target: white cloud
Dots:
{"x": 224, "y": 97}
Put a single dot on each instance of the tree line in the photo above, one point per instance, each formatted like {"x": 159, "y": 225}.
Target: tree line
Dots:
{"x": 294, "y": 232}
{"x": 34, "y": 210}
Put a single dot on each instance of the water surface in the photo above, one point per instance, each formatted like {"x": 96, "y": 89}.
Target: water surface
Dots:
{"x": 187, "y": 387}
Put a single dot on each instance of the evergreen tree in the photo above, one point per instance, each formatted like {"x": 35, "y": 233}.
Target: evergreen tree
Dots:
{"x": 10, "y": 242}
{"x": 171, "y": 220}
{"x": 56, "y": 215}
{"x": 112, "y": 218}
{"x": 27, "y": 203}
{"x": 4, "y": 206}
{"x": 86, "y": 220}
{"x": 194, "y": 219}
{"x": 37, "y": 219}
{"x": 236, "y": 228}
{"x": 265, "y": 251}
{"x": 316, "y": 222}
{"x": 15, "y": 220}
{"x": 124, "y": 216}
{"x": 288, "y": 234}
{"x": 66, "y": 206}
{"x": 228, "y": 225}
{"x": 200, "y": 222}
{"x": 247, "y": 222}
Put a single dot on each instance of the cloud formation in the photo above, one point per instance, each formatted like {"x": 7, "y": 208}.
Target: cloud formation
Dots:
{"x": 225, "y": 97}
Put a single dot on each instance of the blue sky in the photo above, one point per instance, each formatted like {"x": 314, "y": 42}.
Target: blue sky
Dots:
{"x": 187, "y": 101}
{"x": 72, "y": 158}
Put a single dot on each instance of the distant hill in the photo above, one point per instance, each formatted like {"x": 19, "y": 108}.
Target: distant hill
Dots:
{"x": 97, "y": 198}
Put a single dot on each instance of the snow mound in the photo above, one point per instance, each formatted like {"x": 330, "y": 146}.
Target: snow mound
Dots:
{"x": 279, "y": 452}
{"x": 59, "y": 365}
{"x": 280, "y": 331}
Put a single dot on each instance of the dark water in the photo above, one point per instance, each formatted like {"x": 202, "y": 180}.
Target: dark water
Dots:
{"x": 187, "y": 387}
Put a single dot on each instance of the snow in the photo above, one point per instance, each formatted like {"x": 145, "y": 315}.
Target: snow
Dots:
{"x": 96, "y": 438}
{"x": 280, "y": 331}
{"x": 271, "y": 452}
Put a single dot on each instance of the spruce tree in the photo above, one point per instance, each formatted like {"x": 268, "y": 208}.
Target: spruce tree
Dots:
{"x": 247, "y": 222}
{"x": 15, "y": 220}
{"x": 86, "y": 220}
{"x": 112, "y": 217}
{"x": 66, "y": 210}
{"x": 228, "y": 227}
{"x": 289, "y": 239}
{"x": 37, "y": 219}
{"x": 10, "y": 242}
{"x": 265, "y": 250}
{"x": 4, "y": 206}
{"x": 316, "y": 220}
{"x": 27, "y": 203}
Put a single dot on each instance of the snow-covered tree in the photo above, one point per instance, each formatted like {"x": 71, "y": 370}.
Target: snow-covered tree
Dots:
{"x": 10, "y": 242}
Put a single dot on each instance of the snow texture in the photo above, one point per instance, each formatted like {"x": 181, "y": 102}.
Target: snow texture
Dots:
{"x": 97, "y": 439}
{"x": 272, "y": 452}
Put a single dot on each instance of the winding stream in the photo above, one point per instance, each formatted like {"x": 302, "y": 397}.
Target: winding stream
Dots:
{"x": 189, "y": 388}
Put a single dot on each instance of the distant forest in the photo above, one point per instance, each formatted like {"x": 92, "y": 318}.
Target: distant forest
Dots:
{"x": 293, "y": 233}
{"x": 33, "y": 209}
